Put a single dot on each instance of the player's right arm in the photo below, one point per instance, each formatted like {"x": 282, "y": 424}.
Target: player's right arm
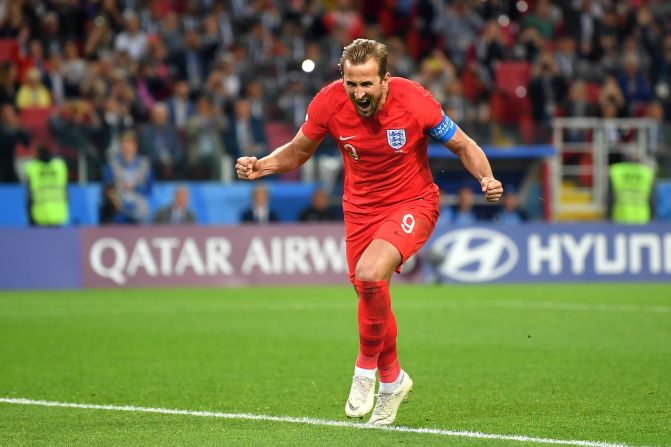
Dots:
{"x": 283, "y": 159}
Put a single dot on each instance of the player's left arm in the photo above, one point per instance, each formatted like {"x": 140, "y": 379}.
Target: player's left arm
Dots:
{"x": 475, "y": 160}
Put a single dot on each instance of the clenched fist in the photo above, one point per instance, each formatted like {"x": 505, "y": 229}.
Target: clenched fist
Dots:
{"x": 492, "y": 188}
{"x": 246, "y": 168}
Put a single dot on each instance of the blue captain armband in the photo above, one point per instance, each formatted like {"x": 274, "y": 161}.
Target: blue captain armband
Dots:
{"x": 444, "y": 130}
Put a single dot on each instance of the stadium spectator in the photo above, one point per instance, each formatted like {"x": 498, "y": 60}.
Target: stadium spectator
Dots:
{"x": 13, "y": 22}
{"x": 463, "y": 212}
{"x": 461, "y": 26}
{"x": 132, "y": 176}
{"x": 634, "y": 82}
{"x": 111, "y": 208}
{"x": 170, "y": 33}
{"x": 159, "y": 141}
{"x": 436, "y": 72}
{"x": 566, "y": 58}
{"x": 294, "y": 101}
{"x": 33, "y": 93}
{"x": 100, "y": 38}
{"x": 178, "y": 212}
{"x": 612, "y": 134}
{"x": 253, "y": 91}
{"x": 260, "y": 212}
{"x": 132, "y": 40}
{"x": 47, "y": 182}
{"x": 116, "y": 119}
{"x": 191, "y": 61}
{"x": 180, "y": 105}
{"x": 75, "y": 125}
{"x": 631, "y": 192}
{"x": 245, "y": 135}
{"x": 8, "y": 83}
{"x": 222, "y": 85}
{"x": 578, "y": 105}
{"x": 206, "y": 148}
{"x": 34, "y": 59}
{"x": 660, "y": 134}
{"x": 73, "y": 19}
{"x": 400, "y": 61}
{"x": 511, "y": 213}
{"x": 55, "y": 81}
{"x": 610, "y": 93}
{"x": 50, "y": 35}
{"x": 11, "y": 135}
{"x": 541, "y": 19}
{"x": 344, "y": 16}
{"x": 73, "y": 69}
{"x": 491, "y": 47}
{"x": 149, "y": 85}
{"x": 546, "y": 90}
{"x": 582, "y": 21}
{"x": 224, "y": 23}
{"x": 318, "y": 210}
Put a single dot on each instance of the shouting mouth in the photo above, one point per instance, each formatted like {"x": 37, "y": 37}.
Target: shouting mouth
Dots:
{"x": 365, "y": 105}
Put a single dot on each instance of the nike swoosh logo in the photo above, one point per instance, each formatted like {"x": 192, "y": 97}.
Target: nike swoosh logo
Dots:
{"x": 352, "y": 407}
{"x": 341, "y": 138}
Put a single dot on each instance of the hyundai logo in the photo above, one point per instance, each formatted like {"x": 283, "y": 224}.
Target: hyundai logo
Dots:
{"x": 474, "y": 254}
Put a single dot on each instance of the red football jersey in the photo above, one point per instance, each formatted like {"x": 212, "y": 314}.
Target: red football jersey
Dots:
{"x": 385, "y": 156}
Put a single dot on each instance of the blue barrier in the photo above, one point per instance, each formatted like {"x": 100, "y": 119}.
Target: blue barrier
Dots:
{"x": 498, "y": 152}
{"x": 13, "y": 200}
{"x": 213, "y": 203}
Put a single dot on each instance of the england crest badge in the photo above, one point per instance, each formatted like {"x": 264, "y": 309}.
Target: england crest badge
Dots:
{"x": 396, "y": 138}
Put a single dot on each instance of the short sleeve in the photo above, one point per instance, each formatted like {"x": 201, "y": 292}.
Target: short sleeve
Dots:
{"x": 431, "y": 117}
{"x": 444, "y": 130}
{"x": 314, "y": 126}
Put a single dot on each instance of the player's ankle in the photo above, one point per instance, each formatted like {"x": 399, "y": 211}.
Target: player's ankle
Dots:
{"x": 390, "y": 387}
{"x": 364, "y": 372}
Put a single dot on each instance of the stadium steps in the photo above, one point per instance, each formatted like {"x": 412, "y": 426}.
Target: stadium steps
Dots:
{"x": 575, "y": 204}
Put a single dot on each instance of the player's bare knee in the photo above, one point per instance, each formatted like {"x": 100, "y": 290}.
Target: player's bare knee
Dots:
{"x": 367, "y": 272}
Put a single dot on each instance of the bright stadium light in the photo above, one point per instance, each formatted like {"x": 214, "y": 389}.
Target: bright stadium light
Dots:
{"x": 504, "y": 20}
{"x": 522, "y": 6}
{"x": 308, "y": 65}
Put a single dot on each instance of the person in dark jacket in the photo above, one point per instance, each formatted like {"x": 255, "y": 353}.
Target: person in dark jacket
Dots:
{"x": 178, "y": 212}
{"x": 319, "y": 210}
{"x": 260, "y": 211}
{"x": 11, "y": 134}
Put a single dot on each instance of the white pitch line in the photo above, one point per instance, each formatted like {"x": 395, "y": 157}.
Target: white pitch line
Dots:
{"x": 307, "y": 421}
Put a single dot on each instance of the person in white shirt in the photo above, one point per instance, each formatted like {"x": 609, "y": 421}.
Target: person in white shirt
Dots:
{"x": 132, "y": 40}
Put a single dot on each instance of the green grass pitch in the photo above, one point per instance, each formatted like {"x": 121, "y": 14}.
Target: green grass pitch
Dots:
{"x": 564, "y": 362}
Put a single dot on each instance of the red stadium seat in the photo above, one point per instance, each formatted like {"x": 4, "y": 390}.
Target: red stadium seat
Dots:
{"x": 593, "y": 92}
{"x": 9, "y": 50}
{"x": 510, "y": 100}
{"x": 510, "y": 75}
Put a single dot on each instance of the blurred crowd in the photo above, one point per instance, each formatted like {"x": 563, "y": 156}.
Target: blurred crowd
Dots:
{"x": 193, "y": 83}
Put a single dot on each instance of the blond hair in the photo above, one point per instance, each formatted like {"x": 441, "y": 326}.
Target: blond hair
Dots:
{"x": 359, "y": 51}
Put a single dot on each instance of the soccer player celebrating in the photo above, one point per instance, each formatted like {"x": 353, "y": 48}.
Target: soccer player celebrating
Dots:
{"x": 390, "y": 203}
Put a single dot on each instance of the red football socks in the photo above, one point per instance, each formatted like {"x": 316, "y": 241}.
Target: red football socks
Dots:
{"x": 387, "y": 363}
{"x": 377, "y": 330}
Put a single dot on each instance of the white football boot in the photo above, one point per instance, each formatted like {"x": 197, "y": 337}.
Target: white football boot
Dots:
{"x": 361, "y": 397}
{"x": 388, "y": 403}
